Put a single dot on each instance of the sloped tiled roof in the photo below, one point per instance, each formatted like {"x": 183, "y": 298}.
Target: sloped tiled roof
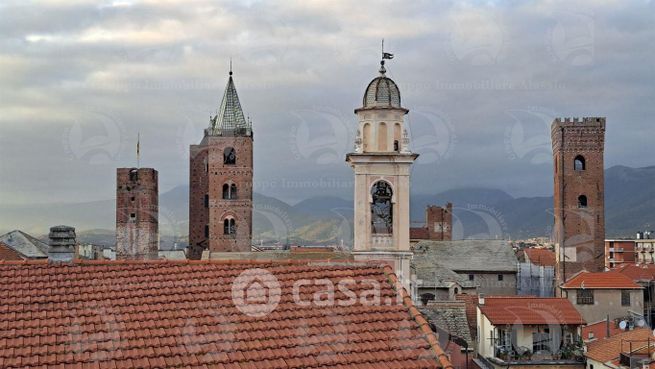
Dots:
{"x": 599, "y": 330}
{"x": 26, "y": 245}
{"x": 606, "y": 349}
{"x": 467, "y": 255}
{"x": 530, "y": 310}
{"x": 449, "y": 317}
{"x": 174, "y": 314}
{"x": 7, "y": 253}
{"x": 439, "y": 276}
{"x": 601, "y": 280}
{"x": 637, "y": 273}
{"x": 471, "y": 302}
{"x": 541, "y": 257}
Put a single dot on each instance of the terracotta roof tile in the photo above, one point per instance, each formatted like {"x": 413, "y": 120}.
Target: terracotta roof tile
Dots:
{"x": 541, "y": 257}
{"x": 153, "y": 314}
{"x": 530, "y": 310}
{"x": 601, "y": 280}
{"x": 638, "y": 273}
{"x": 7, "y": 253}
{"x": 599, "y": 330}
{"x": 606, "y": 349}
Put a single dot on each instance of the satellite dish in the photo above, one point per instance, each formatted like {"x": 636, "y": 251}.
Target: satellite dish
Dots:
{"x": 641, "y": 322}
{"x": 623, "y": 325}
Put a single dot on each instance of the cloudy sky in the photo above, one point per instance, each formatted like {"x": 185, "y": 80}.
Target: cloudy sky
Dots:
{"x": 483, "y": 81}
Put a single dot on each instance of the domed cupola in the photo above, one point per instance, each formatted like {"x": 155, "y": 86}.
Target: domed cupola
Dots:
{"x": 382, "y": 92}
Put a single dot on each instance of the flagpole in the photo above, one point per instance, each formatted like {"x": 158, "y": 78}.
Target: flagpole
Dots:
{"x": 138, "y": 150}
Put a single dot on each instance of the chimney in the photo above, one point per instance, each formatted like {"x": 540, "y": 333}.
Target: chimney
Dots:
{"x": 481, "y": 299}
{"x": 62, "y": 244}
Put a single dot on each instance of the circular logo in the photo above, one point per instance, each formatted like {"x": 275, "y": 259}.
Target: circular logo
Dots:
{"x": 256, "y": 292}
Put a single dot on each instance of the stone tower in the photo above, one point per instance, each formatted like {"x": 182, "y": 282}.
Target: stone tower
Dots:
{"x": 221, "y": 169}
{"x": 137, "y": 213}
{"x": 439, "y": 221}
{"x": 382, "y": 162}
{"x": 579, "y": 195}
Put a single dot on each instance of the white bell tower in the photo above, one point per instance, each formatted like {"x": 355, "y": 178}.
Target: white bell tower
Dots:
{"x": 382, "y": 164}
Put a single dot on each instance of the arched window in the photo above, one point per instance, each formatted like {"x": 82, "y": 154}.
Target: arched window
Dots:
{"x": 396, "y": 137}
{"x": 229, "y": 156}
{"x": 582, "y": 201}
{"x": 579, "y": 163}
{"x": 229, "y": 191}
{"x": 382, "y": 208}
{"x": 382, "y": 137}
{"x": 366, "y": 136}
{"x": 229, "y": 226}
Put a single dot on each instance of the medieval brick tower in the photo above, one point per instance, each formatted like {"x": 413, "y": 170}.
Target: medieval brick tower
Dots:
{"x": 382, "y": 162}
{"x": 579, "y": 195}
{"x": 221, "y": 169}
{"x": 137, "y": 213}
{"x": 439, "y": 222}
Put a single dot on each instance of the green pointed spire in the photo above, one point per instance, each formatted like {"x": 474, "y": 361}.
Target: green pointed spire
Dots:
{"x": 229, "y": 119}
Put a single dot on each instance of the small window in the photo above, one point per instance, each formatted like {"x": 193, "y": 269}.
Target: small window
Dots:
{"x": 132, "y": 215}
{"x": 625, "y": 298}
{"x": 585, "y": 297}
{"x": 229, "y": 191}
{"x": 500, "y": 277}
{"x": 229, "y": 156}
{"x": 591, "y": 366}
{"x": 132, "y": 198}
{"x": 207, "y": 231}
{"x": 579, "y": 163}
{"x": 426, "y": 297}
{"x": 396, "y": 147}
{"x": 471, "y": 277}
{"x": 229, "y": 227}
{"x": 582, "y": 201}
{"x": 206, "y": 200}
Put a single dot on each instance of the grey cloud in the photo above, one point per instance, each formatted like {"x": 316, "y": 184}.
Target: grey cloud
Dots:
{"x": 71, "y": 108}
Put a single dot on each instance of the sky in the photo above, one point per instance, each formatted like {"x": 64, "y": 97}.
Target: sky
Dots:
{"x": 80, "y": 80}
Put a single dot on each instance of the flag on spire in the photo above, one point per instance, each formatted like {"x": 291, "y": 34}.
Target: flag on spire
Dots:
{"x": 386, "y": 55}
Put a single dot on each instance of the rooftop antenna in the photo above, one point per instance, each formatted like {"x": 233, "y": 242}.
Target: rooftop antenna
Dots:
{"x": 230, "y": 65}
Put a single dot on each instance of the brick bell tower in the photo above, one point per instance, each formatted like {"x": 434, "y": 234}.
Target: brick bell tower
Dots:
{"x": 579, "y": 195}
{"x": 382, "y": 164}
{"x": 221, "y": 169}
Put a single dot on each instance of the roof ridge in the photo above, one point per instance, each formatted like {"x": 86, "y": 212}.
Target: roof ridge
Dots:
{"x": 77, "y": 262}
{"x": 418, "y": 317}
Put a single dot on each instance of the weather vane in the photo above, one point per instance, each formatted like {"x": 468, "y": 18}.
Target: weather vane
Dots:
{"x": 385, "y": 55}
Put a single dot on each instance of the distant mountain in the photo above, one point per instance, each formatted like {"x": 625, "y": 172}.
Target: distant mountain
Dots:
{"x": 478, "y": 213}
